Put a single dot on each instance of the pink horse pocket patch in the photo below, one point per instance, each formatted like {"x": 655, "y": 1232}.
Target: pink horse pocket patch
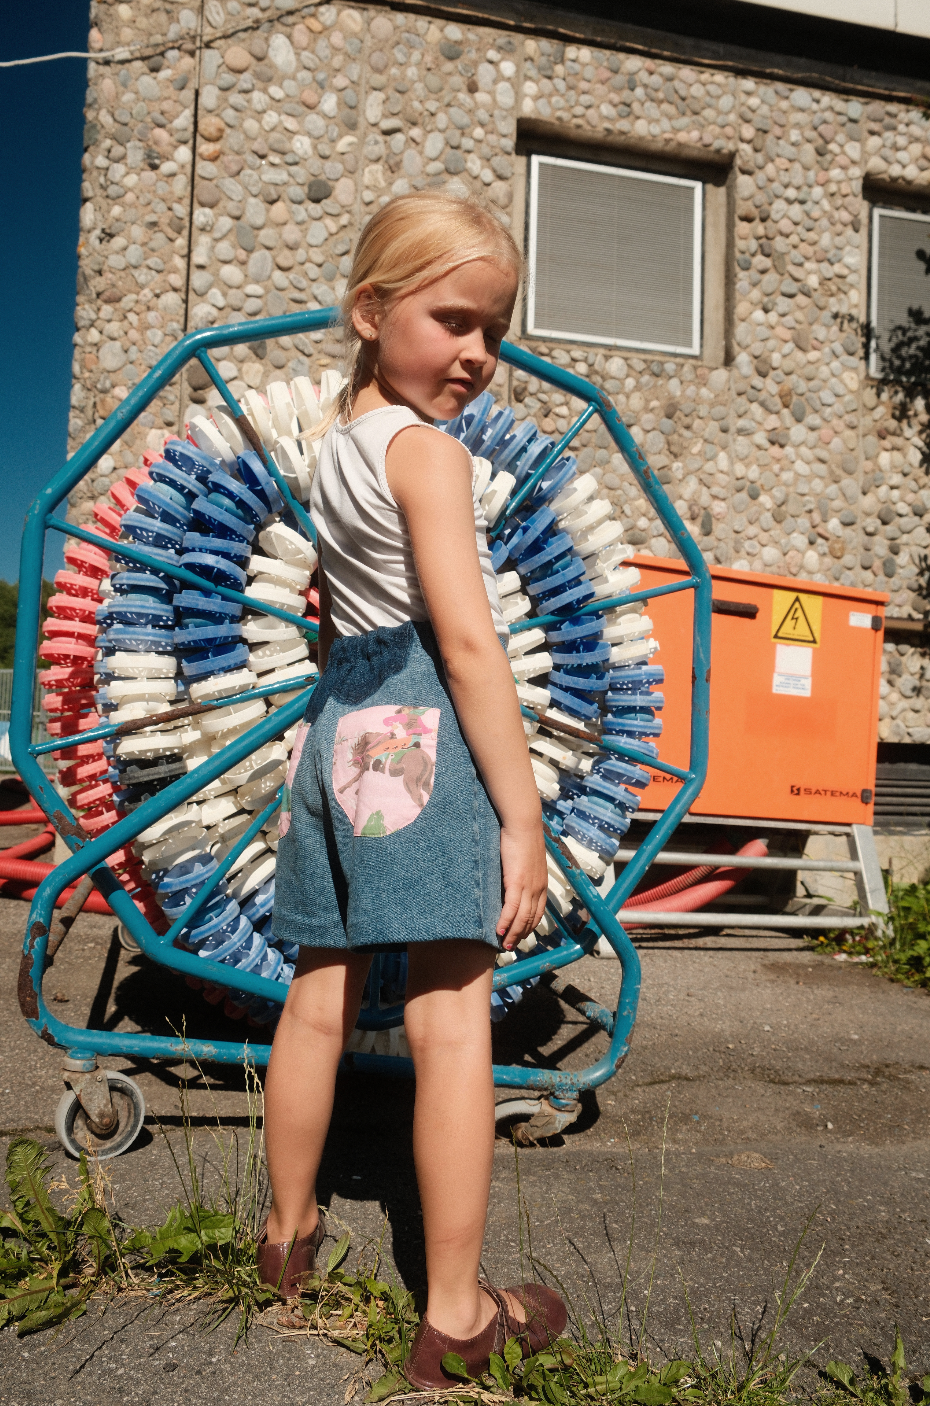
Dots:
{"x": 383, "y": 764}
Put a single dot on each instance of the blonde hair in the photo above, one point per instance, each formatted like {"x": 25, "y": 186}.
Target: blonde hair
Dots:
{"x": 414, "y": 240}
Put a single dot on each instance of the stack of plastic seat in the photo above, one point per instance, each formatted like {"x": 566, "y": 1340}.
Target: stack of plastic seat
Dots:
{"x": 135, "y": 669}
{"x": 209, "y": 504}
{"x": 385, "y": 988}
{"x": 561, "y": 550}
{"x": 74, "y": 700}
{"x": 217, "y": 515}
{"x": 212, "y": 506}
{"x": 70, "y": 642}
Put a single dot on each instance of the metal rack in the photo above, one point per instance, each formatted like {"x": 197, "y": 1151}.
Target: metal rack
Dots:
{"x": 863, "y": 864}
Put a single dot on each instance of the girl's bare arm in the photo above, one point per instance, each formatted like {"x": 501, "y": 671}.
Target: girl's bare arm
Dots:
{"x": 429, "y": 476}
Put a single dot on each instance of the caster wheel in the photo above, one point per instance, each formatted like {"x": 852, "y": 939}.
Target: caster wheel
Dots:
{"x": 73, "y": 1131}
{"x": 127, "y": 941}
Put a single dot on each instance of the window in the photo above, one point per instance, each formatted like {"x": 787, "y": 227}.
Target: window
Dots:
{"x": 899, "y": 273}
{"x": 614, "y": 256}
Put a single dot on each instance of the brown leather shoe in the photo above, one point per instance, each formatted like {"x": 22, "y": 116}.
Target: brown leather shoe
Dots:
{"x": 546, "y": 1316}
{"x": 283, "y": 1271}
{"x": 423, "y": 1368}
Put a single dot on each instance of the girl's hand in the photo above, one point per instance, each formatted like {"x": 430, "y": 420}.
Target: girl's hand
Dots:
{"x": 523, "y": 860}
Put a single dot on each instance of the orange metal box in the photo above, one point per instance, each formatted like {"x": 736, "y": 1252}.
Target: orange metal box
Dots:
{"x": 793, "y": 695}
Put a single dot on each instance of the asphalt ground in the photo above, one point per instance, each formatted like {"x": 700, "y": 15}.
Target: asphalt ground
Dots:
{"x": 785, "y": 1086}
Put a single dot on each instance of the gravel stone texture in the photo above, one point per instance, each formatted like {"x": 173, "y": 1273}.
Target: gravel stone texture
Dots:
{"x": 787, "y": 459}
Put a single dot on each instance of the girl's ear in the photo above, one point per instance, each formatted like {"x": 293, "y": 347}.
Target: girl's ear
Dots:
{"x": 365, "y": 313}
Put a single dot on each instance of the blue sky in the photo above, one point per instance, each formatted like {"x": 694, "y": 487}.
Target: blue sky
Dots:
{"x": 40, "y": 176}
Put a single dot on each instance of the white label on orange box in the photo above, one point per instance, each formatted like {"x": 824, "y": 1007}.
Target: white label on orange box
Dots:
{"x": 793, "y": 667}
{"x": 860, "y": 620}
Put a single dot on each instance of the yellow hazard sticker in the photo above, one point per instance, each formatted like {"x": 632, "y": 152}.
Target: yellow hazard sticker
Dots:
{"x": 796, "y": 617}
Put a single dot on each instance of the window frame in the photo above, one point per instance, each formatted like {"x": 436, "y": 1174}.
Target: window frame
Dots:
{"x": 538, "y": 159}
{"x": 896, "y": 213}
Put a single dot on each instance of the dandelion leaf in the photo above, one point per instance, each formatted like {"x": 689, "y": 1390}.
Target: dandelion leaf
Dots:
{"x": 24, "y": 1298}
{"x": 652, "y": 1394}
{"x": 618, "y": 1375}
{"x": 674, "y": 1371}
{"x": 338, "y": 1254}
{"x": 513, "y": 1353}
{"x": 843, "y": 1375}
{"x": 455, "y": 1366}
{"x": 217, "y": 1229}
{"x": 95, "y": 1227}
{"x": 26, "y": 1176}
{"x": 57, "y": 1309}
{"x": 388, "y": 1385}
{"x": 500, "y": 1372}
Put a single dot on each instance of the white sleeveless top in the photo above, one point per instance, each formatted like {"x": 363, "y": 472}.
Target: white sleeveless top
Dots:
{"x": 363, "y": 536}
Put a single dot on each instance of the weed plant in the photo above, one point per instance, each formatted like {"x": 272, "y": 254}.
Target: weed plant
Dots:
{"x": 897, "y": 946}
{"x": 52, "y": 1261}
{"x": 880, "y": 1386}
{"x": 586, "y": 1365}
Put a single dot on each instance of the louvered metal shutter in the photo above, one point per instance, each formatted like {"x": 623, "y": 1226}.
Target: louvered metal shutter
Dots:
{"x": 614, "y": 255}
{"x": 897, "y": 275}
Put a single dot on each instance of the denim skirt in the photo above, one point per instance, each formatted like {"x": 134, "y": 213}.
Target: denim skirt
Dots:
{"x": 388, "y": 836}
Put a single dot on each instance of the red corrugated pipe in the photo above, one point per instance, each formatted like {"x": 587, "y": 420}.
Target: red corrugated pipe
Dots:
{"x": 36, "y": 844}
{"x": 646, "y": 898}
{"x": 10, "y": 887}
{"x": 32, "y": 816}
{"x": 24, "y": 871}
{"x": 16, "y": 869}
{"x": 685, "y": 894}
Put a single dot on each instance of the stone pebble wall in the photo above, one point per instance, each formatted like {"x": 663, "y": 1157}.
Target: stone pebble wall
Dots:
{"x": 787, "y": 460}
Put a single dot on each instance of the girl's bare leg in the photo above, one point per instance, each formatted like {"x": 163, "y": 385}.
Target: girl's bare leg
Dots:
{"x": 448, "y": 1027}
{"x": 319, "y": 1014}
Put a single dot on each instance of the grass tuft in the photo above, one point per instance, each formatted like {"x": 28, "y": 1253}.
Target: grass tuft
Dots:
{"x": 206, "y": 1248}
{"x": 750, "y": 1372}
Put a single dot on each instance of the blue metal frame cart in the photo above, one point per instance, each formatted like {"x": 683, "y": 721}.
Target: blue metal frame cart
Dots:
{"x": 556, "y": 1091}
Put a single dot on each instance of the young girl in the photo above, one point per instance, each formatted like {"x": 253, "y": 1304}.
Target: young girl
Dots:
{"x": 412, "y": 795}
